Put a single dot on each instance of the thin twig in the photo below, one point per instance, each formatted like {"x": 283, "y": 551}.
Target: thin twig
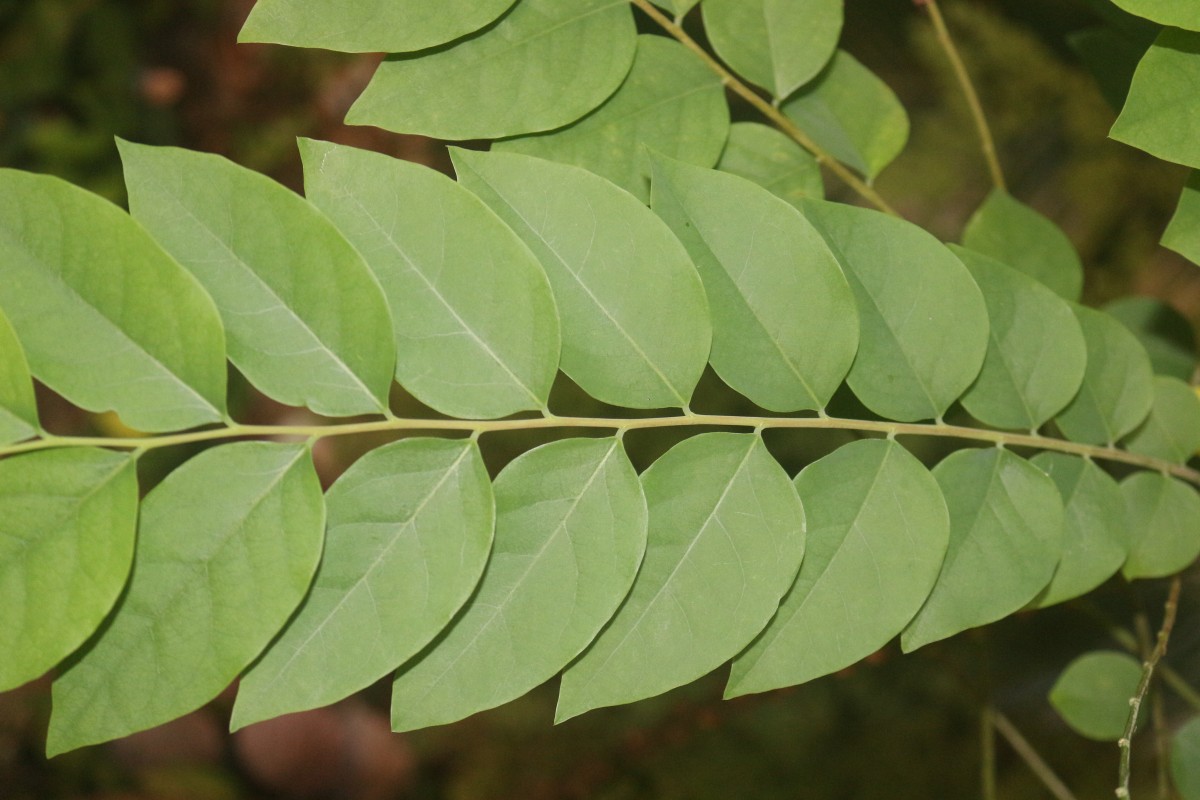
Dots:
{"x": 1031, "y": 758}
{"x": 777, "y": 117}
{"x": 986, "y": 142}
{"x": 1146, "y": 648}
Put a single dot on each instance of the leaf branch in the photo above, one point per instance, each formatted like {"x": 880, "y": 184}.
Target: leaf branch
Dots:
{"x": 1031, "y": 758}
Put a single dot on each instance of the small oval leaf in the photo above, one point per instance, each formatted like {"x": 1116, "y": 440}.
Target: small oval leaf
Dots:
{"x": 1092, "y": 694}
{"x": 1162, "y": 515}
{"x": 1172, "y": 430}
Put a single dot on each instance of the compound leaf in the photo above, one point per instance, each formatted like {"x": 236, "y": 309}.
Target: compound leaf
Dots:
{"x": 1092, "y": 694}
{"x": 769, "y": 158}
{"x": 1172, "y": 430}
{"x": 18, "y": 406}
{"x": 1162, "y": 516}
{"x": 1161, "y": 115}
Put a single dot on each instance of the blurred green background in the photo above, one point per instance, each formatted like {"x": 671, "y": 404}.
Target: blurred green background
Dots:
{"x": 76, "y": 73}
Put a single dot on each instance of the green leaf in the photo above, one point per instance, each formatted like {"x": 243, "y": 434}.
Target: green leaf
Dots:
{"x": 853, "y": 115}
{"x": 924, "y": 323}
{"x": 545, "y": 64}
{"x": 769, "y": 158}
{"x": 1095, "y": 539}
{"x": 570, "y": 534}
{"x": 1175, "y": 13}
{"x": 397, "y": 26}
{"x": 779, "y": 45}
{"x": 1036, "y": 354}
{"x": 784, "y": 326}
{"x": 104, "y": 316}
{"x": 1167, "y": 335}
{"x": 671, "y": 103}
{"x": 677, "y": 7}
{"x": 1092, "y": 694}
{"x": 476, "y": 326}
{"x": 1111, "y": 57}
{"x": 409, "y": 532}
{"x": 1183, "y": 234}
{"x": 1118, "y": 386}
{"x": 18, "y": 406}
{"x": 877, "y": 534}
{"x": 1006, "y": 537}
{"x": 306, "y": 321}
{"x": 227, "y": 546}
{"x": 1162, "y": 515}
{"x": 1012, "y": 232}
{"x": 1172, "y": 430}
{"x": 1185, "y": 759}
{"x": 611, "y": 263}
{"x": 726, "y": 538}
{"x": 1161, "y": 115}
{"x": 67, "y": 521}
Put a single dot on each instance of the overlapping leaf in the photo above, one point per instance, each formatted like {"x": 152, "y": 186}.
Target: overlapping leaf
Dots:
{"x": 1172, "y": 430}
{"x": 475, "y": 322}
{"x": 1167, "y": 335}
{"x": 635, "y": 321}
{"x": 1092, "y": 694}
{"x": 227, "y": 546}
{"x": 104, "y": 316}
{"x": 545, "y": 64}
{"x": 304, "y": 316}
{"x": 1162, "y": 515}
{"x": 18, "y": 408}
{"x": 1161, "y": 115}
{"x": 784, "y": 325}
{"x": 773, "y": 161}
{"x": 409, "y": 532}
{"x": 1183, "y": 234}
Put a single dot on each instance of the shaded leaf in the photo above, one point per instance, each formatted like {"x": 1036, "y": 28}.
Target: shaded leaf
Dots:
{"x": 570, "y": 534}
{"x": 1165, "y": 12}
{"x": 769, "y": 158}
{"x": 636, "y": 329}
{"x": 1172, "y": 430}
{"x": 1162, "y": 515}
{"x": 545, "y": 64}
{"x": 877, "y": 534}
{"x": 677, "y": 7}
{"x": 409, "y": 531}
{"x": 1185, "y": 759}
{"x": 1161, "y": 115}
{"x": 1111, "y": 57}
{"x": 18, "y": 407}
{"x": 1092, "y": 694}
{"x": 227, "y": 545}
{"x": 1167, "y": 335}
{"x": 476, "y": 327}
{"x": 1183, "y": 234}
{"x": 67, "y": 521}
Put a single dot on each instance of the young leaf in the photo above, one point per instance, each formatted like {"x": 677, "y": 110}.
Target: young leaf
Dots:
{"x": 779, "y": 45}
{"x": 877, "y": 534}
{"x": 853, "y": 115}
{"x": 1167, "y": 335}
{"x": 1006, "y": 537}
{"x": 1162, "y": 515}
{"x": 306, "y": 321}
{"x": 726, "y": 538}
{"x": 784, "y": 326}
{"x": 1165, "y": 12}
{"x": 1012, "y": 232}
{"x": 409, "y": 531}
{"x": 545, "y": 64}
{"x": 671, "y": 103}
{"x": 67, "y": 522}
{"x": 1183, "y": 234}
{"x": 1095, "y": 539}
{"x": 1118, "y": 385}
{"x": 476, "y": 327}
{"x": 636, "y": 329}
{"x": 227, "y": 546}
{"x": 1172, "y": 430}
{"x": 570, "y": 533}
{"x": 104, "y": 316}
{"x": 1092, "y": 694}
{"x": 1185, "y": 759}
{"x": 18, "y": 407}
{"x": 924, "y": 323}
{"x": 1161, "y": 115}
{"x": 769, "y": 158}
{"x": 397, "y": 26}
{"x": 1036, "y": 354}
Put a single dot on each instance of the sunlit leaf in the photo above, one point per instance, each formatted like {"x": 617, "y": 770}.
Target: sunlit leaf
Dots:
{"x": 18, "y": 407}
{"x": 1162, "y": 515}
{"x": 1092, "y": 694}
{"x": 1172, "y": 430}
{"x": 1161, "y": 115}
{"x": 769, "y": 158}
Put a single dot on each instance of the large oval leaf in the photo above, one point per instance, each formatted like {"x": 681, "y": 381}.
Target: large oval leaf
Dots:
{"x": 104, "y": 316}
{"x": 784, "y": 323}
{"x": 671, "y": 103}
{"x": 307, "y": 322}
{"x": 397, "y": 26}
{"x": 409, "y": 531}
{"x": 1161, "y": 114}
{"x": 67, "y": 521}
{"x": 1185, "y": 759}
{"x": 570, "y": 534}
{"x": 924, "y": 323}
{"x": 227, "y": 546}
{"x": 545, "y": 64}
{"x": 18, "y": 406}
{"x": 1095, "y": 539}
{"x": 475, "y": 322}
{"x": 726, "y": 538}
{"x": 635, "y": 322}
{"x": 1118, "y": 385}
{"x": 1006, "y": 537}
{"x": 1036, "y": 354}
{"x": 1162, "y": 515}
{"x": 769, "y": 158}
{"x": 877, "y": 534}
{"x": 1092, "y": 694}
{"x": 1172, "y": 430}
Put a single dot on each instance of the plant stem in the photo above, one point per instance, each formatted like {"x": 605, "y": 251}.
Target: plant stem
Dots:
{"x": 1031, "y": 758}
{"x": 987, "y": 143}
{"x": 1170, "y": 677}
{"x": 1170, "y": 610}
{"x": 777, "y": 117}
{"x": 987, "y": 744}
